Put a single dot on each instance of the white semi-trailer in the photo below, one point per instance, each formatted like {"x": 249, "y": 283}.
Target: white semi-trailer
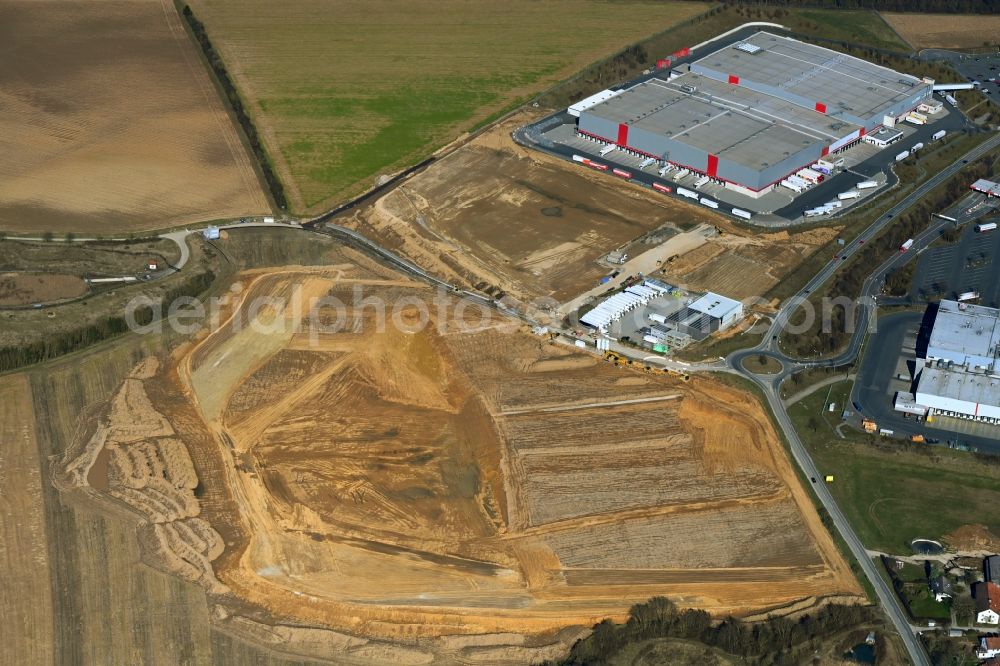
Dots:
{"x": 687, "y": 193}
{"x": 902, "y": 156}
{"x": 866, "y": 185}
{"x": 850, "y": 194}
{"x": 739, "y": 212}
{"x": 708, "y": 202}
{"x": 607, "y": 149}
{"x": 938, "y": 135}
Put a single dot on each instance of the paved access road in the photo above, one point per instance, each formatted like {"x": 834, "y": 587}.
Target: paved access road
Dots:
{"x": 866, "y": 310}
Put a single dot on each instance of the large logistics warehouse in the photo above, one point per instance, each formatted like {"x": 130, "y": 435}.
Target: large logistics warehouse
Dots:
{"x": 960, "y": 377}
{"x": 754, "y": 112}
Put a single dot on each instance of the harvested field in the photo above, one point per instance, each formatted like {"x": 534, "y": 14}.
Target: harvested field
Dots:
{"x": 741, "y": 264}
{"x": 114, "y": 121}
{"x": 398, "y": 485}
{"x": 26, "y": 595}
{"x": 27, "y": 288}
{"x": 498, "y": 216}
{"x": 345, "y": 92}
{"x": 946, "y": 31}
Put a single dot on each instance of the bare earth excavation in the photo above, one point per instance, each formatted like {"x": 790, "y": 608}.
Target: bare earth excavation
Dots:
{"x": 433, "y": 485}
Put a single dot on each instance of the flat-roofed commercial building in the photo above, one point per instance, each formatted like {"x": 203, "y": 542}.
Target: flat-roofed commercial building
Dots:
{"x": 753, "y": 113}
{"x": 961, "y": 376}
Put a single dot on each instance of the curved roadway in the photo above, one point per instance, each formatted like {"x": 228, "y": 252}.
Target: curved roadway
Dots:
{"x": 770, "y": 384}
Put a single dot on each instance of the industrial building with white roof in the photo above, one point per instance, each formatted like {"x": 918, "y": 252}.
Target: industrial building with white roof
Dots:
{"x": 961, "y": 373}
{"x": 754, "y": 112}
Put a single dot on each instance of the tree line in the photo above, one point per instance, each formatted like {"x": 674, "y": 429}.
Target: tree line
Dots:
{"x": 65, "y": 342}
{"x": 236, "y": 102}
{"x": 774, "y": 642}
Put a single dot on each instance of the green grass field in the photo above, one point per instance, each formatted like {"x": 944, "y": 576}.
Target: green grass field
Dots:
{"x": 345, "y": 92}
{"x": 859, "y": 27}
{"x": 894, "y": 493}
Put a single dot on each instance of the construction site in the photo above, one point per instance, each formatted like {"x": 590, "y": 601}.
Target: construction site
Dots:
{"x": 402, "y": 489}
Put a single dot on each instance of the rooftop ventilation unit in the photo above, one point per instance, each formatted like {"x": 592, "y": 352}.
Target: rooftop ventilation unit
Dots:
{"x": 747, "y": 47}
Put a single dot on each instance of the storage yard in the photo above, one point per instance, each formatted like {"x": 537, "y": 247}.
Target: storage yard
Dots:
{"x": 397, "y": 463}
{"x": 114, "y": 131}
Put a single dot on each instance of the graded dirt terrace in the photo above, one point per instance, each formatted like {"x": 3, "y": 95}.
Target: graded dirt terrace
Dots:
{"x": 506, "y": 219}
{"x": 110, "y": 123}
{"x": 460, "y": 491}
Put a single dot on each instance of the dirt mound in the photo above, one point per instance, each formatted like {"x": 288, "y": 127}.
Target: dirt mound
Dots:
{"x": 973, "y": 538}
{"x": 447, "y": 493}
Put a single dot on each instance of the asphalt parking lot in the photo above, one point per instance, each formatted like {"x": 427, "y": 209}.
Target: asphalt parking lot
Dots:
{"x": 971, "y": 264}
{"x": 983, "y": 68}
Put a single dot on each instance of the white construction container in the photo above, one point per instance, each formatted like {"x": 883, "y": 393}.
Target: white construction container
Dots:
{"x": 938, "y": 135}
{"x": 739, "y": 212}
{"x": 687, "y": 193}
{"x": 902, "y": 156}
{"x": 708, "y": 202}
{"x": 866, "y": 185}
{"x": 850, "y": 194}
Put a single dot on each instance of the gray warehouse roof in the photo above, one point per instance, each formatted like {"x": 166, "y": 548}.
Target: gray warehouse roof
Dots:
{"x": 965, "y": 333}
{"x": 733, "y": 122}
{"x": 842, "y": 82}
{"x": 959, "y": 385}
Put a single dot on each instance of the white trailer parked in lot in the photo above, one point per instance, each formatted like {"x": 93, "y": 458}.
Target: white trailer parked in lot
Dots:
{"x": 666, "y": 168}
{"x": 708, "y": 202}
{"x": 866, "y": 185}
{"x": 607, "y": 149}
{"x": 687, "y": 193}
{"x": 850, "y": 194}
{"x": 739, "y": 212}
{"x": 986, "y": 226}
{"x": 810, "y": 176}
{"x": 938, "y": 135}
{"x": 951, "y": 100}
{"x": 814, "y": 212}
{"x": 646, "y": 162}
{"x": 794, "y": 187}
{"x": 801, "y": 182}
{"x": 701, "y": 182}
{"x": 902, "y": 156}
{"x": 680, "y": 174}
{"x": 916, "y": 147}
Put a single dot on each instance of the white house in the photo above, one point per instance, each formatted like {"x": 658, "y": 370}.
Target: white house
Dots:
{"x": 987, "y": 603}
{"x": 988, "y": 648}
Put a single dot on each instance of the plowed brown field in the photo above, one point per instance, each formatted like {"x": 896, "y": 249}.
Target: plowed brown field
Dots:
{"x": 410, "y": 486}
{"x": 946, "y": 31}
{"x": 109, "y": 122}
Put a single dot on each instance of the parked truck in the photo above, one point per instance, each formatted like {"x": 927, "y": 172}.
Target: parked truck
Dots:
{"x": 902, "y": 156}
{"x": 661, "y": 188}
{"x": 687, "y": 193}
{"x": 708, "y": 202}
{"x": 850, "y": 194}
{"x": 738, "y": 212}
{"x": 866, "y": 185}
{"x": 938, "y": 135}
